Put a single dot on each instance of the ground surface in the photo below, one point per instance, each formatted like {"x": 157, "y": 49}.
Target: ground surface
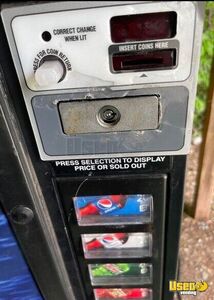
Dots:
{"x": 197, "y": 238}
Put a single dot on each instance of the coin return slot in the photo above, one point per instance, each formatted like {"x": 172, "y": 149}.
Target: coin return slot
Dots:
{"x": 144, "y": 61}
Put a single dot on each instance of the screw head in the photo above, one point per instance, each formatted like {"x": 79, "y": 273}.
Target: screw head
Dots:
{"x": 21, "y": 215}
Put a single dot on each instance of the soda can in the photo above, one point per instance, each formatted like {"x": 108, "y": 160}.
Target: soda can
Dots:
{"x": 120, "y": 274}
{"x": 120, "y": 244}
{"x": 113, "y": 209}
{"x": 128, "y": 294}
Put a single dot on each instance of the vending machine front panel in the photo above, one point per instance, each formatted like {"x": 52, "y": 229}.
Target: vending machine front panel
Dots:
{"x": 96, "y": 113}
{"x": 105, "y": 211}
{"x": 117, "y": 75}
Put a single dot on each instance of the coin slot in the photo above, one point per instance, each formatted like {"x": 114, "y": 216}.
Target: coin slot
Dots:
{"x": 144, "y": 61}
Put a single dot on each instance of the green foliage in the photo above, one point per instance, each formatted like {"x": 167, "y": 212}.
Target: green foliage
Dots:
{"x": 207, "y": 54}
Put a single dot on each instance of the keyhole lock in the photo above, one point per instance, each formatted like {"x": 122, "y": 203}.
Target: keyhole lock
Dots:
{"x": 108, "y": 116}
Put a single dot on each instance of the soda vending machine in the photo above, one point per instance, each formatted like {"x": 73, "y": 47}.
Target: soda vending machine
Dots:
{"x": 97, "y": 102}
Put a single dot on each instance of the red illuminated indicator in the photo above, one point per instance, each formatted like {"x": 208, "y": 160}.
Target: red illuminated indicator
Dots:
{"x": 143, "y": 27}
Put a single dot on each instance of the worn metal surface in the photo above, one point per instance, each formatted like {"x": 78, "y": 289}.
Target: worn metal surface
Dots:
{"x": 82, "y": 116}
{"x": 169, "y": 136}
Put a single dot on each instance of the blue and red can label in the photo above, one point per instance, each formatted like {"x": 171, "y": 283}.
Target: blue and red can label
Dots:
{"x": 113, "y": 205}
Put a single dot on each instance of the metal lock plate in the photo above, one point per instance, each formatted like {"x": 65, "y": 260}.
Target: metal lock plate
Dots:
{"x": 140, "y": 113}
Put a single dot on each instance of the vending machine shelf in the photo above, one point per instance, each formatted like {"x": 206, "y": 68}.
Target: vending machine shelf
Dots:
{"x": 127, "y": 294}
{"x": 113, "y": 209}
{"x": 120, "y": 274}
{"x": 117, "y": 245}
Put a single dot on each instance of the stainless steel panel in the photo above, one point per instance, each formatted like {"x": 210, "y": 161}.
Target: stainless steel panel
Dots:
{"x": 83, "y": 116}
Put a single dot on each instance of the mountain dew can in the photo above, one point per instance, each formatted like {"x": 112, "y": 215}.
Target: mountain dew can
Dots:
{"x": 119, "y": 269}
